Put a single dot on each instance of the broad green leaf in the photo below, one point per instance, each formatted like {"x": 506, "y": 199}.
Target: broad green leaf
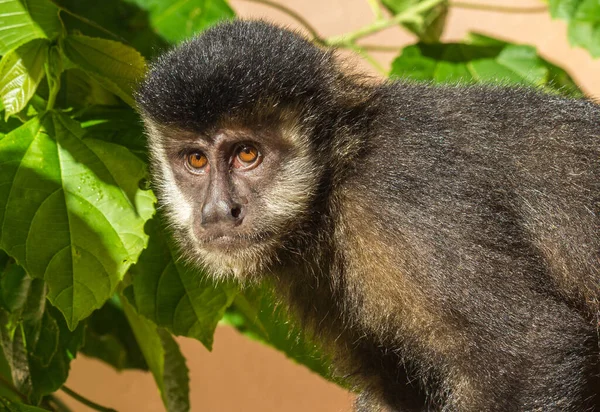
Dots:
{"x": 483, "y": 60}
{"x": 257, "y": 313}
{"x": 24, "y": 20}
{"x": 71, "y": 211}
{"x": 175, "y": 295}
{"x": 164, "y": 359}
{"x": 563, "y": 9}
{"x": 80, "y": 90}
{"x": 21, "y": 71}
{"x": 109, "y": 337}
{"x": 120, "y": 125}
{"x": 6, "y": 405}
{"x": 429, "y": 25}
{"x": 175, "y": 374}
{"x": 583, "y": 17}
{"x": 9, "y": 125}
{"x": 176, "y": 21}
{"x": 114, "y": 65}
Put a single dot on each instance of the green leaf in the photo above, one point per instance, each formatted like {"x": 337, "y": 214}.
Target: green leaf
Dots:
{"x": 71, "y": 211}
{"x": 14, "y": 284}
{"x": 120, "y": 125}
{"x": 8, "y": 125}
{"x": 175, "y": 374}
{"x": 483, "y": 60}
{"x": 21, "y": 71}
{"x": 81, "y": 90}
{"x": 176, "y": 21}
{"x": 429, "y": 25}
{"x": 164, "y": 358}
{"x": 109, "y": 338}
{"x": 49, "y": 370}
{"x": 35, "y": 340}
{"x": 115, "y": 66}
{"x": 562, "y": 9}
{"x": 7, "y": 405}
{"x": 24, "y": 20}
{"x": 583, "y": 17}
{"x": 256, "y": 312}
{"x": 175, "y": 295}
{"x": 117, "y": 20}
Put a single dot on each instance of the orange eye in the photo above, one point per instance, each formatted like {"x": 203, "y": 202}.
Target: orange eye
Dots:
{"x": 247, "y": 154}
{"x": 197, "y": 160}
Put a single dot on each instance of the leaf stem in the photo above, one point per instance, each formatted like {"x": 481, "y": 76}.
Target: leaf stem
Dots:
{"x": 409, "y": 15}
{"x": 376, "y": 8}
{"x": 309, "y": 27}
{"x": 498, "y": 8}
{"x": 54, "y": 88}
{"x": 85, "y": 401}
{"x": 57, "y": 404}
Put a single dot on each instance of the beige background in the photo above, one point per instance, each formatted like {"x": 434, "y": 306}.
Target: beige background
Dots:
{"x": 241, "y": 375}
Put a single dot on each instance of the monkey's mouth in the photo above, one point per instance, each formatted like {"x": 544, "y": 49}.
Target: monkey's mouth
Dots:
{"x": 231, "y": 243}
{"x": 228, "y": 242}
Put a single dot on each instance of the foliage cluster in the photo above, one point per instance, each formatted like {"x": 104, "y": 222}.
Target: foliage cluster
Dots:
{"x": 84, "y": 263}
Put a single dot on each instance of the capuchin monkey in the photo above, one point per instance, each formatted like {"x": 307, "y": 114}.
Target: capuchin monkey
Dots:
{"x": 443, "y": 240}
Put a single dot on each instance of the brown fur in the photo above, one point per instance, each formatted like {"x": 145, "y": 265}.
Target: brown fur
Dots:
{"x": 444, "y": 240}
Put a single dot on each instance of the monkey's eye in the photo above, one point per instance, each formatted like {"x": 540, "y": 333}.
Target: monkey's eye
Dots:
{"x": 196, "y": 161}
{"x": 246, "y": 156}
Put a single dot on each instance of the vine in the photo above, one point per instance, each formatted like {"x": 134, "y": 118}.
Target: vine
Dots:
{"x": 411, "y": 14}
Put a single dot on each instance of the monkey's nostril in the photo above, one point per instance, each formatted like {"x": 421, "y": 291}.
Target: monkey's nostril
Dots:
{"x": 235, "y": 212}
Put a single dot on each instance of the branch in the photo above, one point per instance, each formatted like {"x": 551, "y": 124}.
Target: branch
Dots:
{"x": 409, "y": 15}
{"x": 86, "y": 401}
{"x": 303, "y": 22}
{"x": 381, "y": 48}
{"x": 350, "y": 44}
{"x": 498, "y": 8}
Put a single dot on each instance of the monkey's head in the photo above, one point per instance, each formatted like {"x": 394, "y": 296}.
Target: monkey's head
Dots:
{"x": 235, "y": 130}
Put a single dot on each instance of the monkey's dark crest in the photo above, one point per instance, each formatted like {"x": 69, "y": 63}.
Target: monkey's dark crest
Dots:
{"x": 443, "y": 239}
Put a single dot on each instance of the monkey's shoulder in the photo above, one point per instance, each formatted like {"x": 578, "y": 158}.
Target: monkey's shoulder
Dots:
{"x": 475, "y": 126}
{"x": 457, "y": 149}
{"x": 496, "y": 105}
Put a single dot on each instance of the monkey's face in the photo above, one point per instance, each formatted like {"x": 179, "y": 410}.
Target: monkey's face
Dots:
{"x": 233, "y": 193}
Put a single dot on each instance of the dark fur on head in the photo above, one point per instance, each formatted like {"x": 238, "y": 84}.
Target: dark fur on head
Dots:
{"x": 233, "y": 70}
{"x": 445, "y": 238}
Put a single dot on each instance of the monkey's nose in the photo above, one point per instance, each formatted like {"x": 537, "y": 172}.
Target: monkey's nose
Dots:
{"x": 222, "y": 212}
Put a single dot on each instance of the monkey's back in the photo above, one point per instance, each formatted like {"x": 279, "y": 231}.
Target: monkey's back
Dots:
{"x": 490, "y": 200}
{"x": 508, "y": 171}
